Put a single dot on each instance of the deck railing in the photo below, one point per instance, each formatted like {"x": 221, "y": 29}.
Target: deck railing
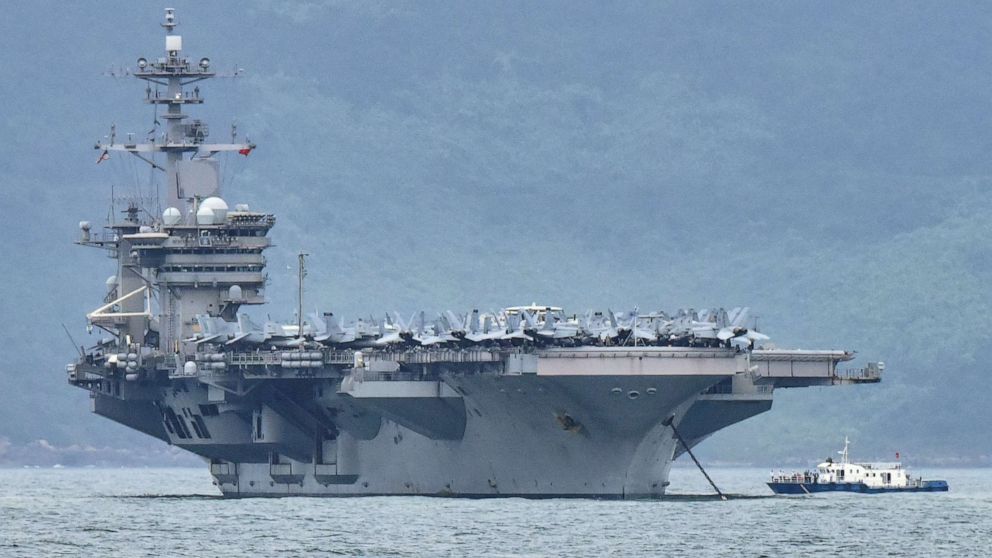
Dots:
{"x": 871, "y": 372}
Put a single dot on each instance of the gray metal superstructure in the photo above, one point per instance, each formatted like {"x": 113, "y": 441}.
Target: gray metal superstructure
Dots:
{"x": 524, "y": 401}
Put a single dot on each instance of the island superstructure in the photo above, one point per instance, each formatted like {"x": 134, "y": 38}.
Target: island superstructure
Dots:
{"x": 521, "y": 401}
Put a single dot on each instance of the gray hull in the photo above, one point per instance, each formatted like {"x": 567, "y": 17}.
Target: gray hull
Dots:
{"x": 515, "y": 443}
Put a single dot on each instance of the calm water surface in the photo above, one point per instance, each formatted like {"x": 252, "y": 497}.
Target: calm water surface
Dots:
{"x": 173, "y": 512}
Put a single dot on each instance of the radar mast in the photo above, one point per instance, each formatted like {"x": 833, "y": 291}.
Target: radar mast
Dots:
{"x": 191, "y": 172}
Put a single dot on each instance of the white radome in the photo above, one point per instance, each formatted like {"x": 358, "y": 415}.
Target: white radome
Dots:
{"x": 171, "y": 216}
{"x": 205, "y": 216}
{"x": 218, "y": 206}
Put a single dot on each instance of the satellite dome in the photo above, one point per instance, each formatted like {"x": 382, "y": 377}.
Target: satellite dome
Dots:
{"x": 111, "y": 282}
{"x": 205, "y": 216}
{"x": 171, "y": 216}
{"x": 218, "y": 206}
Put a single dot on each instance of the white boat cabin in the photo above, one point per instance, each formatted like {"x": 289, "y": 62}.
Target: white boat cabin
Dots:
{"x": 873, "y": 475}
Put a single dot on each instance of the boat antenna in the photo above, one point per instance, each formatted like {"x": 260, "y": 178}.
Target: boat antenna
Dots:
{"x": 843, "y": 454}
{"x": 299, "y": 308}
{"x": 82, "y": 353}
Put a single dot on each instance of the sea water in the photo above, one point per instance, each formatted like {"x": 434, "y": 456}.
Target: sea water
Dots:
{"x": 178, "y": 512}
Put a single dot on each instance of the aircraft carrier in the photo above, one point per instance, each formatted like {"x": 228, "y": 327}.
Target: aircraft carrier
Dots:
{"x": 521, "y": 401}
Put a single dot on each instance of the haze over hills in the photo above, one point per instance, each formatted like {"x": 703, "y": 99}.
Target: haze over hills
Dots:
{"x": 824, "y": 164}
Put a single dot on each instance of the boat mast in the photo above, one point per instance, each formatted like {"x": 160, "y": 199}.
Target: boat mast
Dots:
{"x": 299, "y": 301}
{"x": 173, "y": 73}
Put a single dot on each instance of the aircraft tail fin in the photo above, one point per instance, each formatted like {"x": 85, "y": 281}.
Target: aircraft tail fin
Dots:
{"x": 473, "y": 324}
{"x": 398, "y": 321}
{"x": 206, "y": 324}
{"x": 319, "y": 323}
{"x": 333, "y": 325}
{"x": 512, "y": 322}
{"x": 740, "y": 316}
{"x": 549, "y": 320}
{"x": 528, "y": 319}
{"x": 245, "y": 323}
{"x": 455, "y": 322}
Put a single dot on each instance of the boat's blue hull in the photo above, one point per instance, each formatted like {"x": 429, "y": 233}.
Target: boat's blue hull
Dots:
{"x": 809, "y": 487}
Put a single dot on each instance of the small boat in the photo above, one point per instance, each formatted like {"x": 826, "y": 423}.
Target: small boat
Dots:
{"x": 844, "y": 476}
